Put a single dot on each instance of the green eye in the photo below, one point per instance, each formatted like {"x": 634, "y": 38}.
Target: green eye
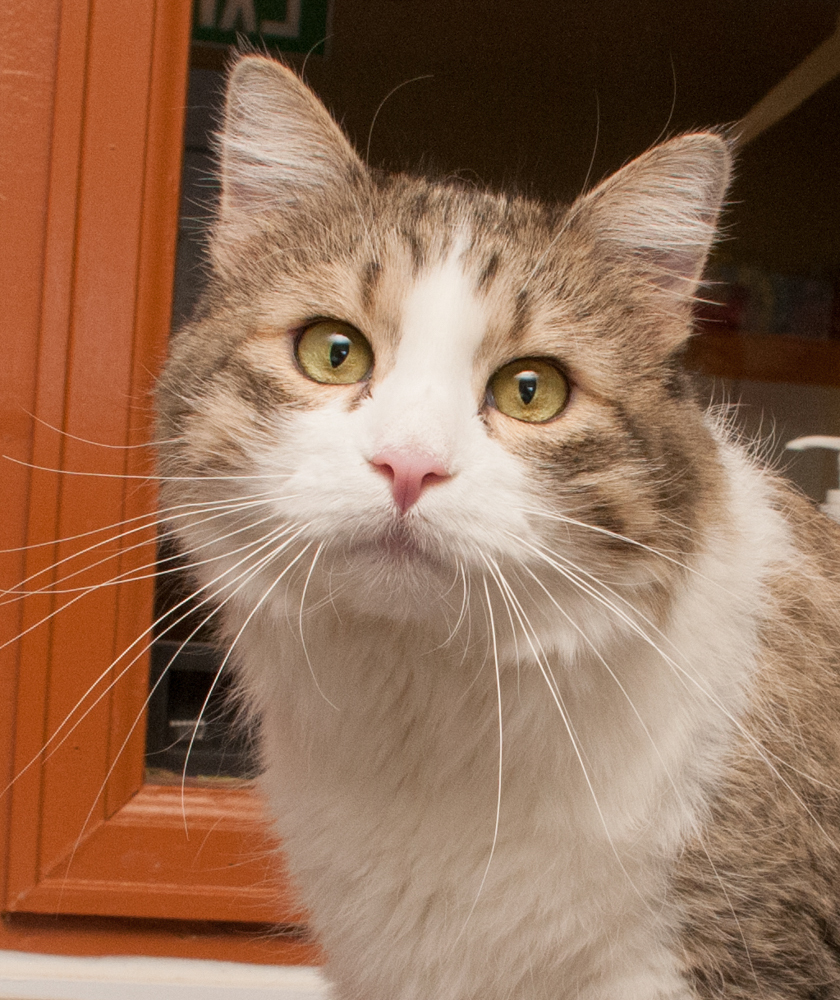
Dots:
{"x": 334, "y": 353}
{"x": 529, "y": 389}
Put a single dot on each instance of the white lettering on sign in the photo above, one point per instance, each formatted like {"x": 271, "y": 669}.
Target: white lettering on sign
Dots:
{"x": 236, "y": 9}
{"x": 290, "y": 28}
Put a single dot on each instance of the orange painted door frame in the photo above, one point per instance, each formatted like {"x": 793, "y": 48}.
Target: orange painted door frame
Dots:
{"x": 93, "y": 98}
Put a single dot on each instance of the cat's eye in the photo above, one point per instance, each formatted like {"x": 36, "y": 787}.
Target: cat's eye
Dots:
{"x": 334, "y": 353}
{"x": 529, "y": 389}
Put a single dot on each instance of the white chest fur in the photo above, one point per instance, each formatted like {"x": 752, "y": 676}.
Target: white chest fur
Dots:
{"x": 440, "y": 862}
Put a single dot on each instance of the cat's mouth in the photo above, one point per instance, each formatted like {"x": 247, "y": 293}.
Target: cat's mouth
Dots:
{"x": 398, "y": 546}
{"x": 392, "y": 575}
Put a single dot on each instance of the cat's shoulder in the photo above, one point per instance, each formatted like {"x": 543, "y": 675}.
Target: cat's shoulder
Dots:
{"x": 815, "y": 536}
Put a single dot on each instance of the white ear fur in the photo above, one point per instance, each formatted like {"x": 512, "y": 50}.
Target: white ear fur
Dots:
{"x": 278, "y": 145}
{"x": 659, "y": 213}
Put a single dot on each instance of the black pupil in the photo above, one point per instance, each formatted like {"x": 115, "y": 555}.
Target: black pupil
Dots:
{"x": 339, "y": 349}
{"x": 527, "y": 386}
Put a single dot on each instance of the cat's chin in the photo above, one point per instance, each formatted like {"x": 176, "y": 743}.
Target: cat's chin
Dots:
{"x": 393, "y": 577}
{"x": 394, "y": 552}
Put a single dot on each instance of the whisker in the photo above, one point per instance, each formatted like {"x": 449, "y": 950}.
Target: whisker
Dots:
{"x": 51, "y": 588}
{"x": 197, "y": 478}
{"x": 462, "y": 611}
{"x": 300, "y": 625}
{"x": 459, "y": 575}
{"x": 229, "y": 653}
{"x": 249, "y": 574}
{"x": 124, "y": 577}
{"x": 210, "y": 597}
{"x": 391, "y": 92}
{"x": 696, "y": 828}
{"x": 545, "y": 669}
{"x": 766, "y": 755}
{"x": 595, "y": 143}
{"x": 596, "y": 529}
{"x": 153, "y": 517}
{"x": 99, "y": 444}
{"x": 501, "y": 758}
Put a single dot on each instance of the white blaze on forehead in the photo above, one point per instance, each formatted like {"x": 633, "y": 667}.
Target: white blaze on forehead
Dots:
{"x": 443, "y": 322}
{"x": 429, "y": 394}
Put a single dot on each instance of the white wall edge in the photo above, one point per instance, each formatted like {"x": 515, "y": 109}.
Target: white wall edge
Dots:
{"x": 25, "y": 976}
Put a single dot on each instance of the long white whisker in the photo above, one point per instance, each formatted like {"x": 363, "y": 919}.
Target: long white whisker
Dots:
{"x": 391, "y": 92}
{"x": 124, "y": 577}
{"x": 210, "y": 597}
{"x": 666, "y": 770}
{"x": 596, "y": 529}
{"x": 53, "y": 589}
{"x": 543, "y": 664}
{"x": 501, "y": 758}
{"x": 764, "y": 752}
{"x": 227, "y": 657}
{"x": 153, "y": 517}
{"x": 463, "y": 611}
{"x": 249, "y": 574}
{"x": 576, "y": 578}
{"x": 99, "y": 444}
{"x": 300, "y": 626}
{"x": 152, "y": 478}
{"x": 459, "y": 574}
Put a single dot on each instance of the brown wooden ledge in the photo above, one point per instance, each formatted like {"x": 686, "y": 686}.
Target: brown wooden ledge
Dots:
{"x": 760, "y": 358}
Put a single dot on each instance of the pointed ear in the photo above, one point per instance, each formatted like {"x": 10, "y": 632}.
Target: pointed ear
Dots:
{"x": 278, "y": 147}
{"x": 658, "y": 215}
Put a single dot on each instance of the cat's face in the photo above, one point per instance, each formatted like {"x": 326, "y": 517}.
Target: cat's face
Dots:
{"x": 413, "y": 384}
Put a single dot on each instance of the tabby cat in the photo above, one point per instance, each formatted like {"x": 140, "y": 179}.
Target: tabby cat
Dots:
{"x": 546, "y": 665}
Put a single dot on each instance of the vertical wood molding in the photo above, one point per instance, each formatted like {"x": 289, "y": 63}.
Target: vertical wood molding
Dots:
{"x": 27, "y": 89}
{"x": 93, "y": 291}
{"x": 158, "y": 245}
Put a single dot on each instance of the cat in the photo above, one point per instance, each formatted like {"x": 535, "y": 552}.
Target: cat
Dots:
{"x": 545, "y": 662}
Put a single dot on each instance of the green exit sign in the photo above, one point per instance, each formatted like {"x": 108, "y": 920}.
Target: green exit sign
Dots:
{"x": 291, "y": 25}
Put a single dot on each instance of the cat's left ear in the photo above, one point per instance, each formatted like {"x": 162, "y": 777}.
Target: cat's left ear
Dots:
{"x": 657, "y": 216}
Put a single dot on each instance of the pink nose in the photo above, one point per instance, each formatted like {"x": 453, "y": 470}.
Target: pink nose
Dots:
{"x": 410, "y": 473}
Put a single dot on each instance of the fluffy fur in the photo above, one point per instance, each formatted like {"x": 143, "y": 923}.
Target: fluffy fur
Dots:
{"x": 567, "y": 725}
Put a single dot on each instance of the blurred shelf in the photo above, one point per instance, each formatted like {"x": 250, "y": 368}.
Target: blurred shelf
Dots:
{"x": 765, "y": 358}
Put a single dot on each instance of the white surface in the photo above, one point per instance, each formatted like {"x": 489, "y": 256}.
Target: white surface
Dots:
{"x": 26, "y": 976}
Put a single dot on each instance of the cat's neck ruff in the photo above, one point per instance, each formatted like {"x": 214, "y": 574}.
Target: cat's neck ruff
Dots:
{"x": 384, "y": 751}
{"x": 615, "y": 719}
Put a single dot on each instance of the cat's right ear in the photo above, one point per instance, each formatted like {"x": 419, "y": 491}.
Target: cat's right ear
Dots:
{"x": 278, "y": 148}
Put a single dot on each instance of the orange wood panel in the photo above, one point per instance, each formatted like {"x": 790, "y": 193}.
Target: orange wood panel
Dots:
{"x": 158, "y": 239}
{"x": 26, "y": 112}
{"x": 87, "y": 837}
{"x": 101, "y": 140}
{"x": 56, "y": 349}
{"x": 98, "y": 394}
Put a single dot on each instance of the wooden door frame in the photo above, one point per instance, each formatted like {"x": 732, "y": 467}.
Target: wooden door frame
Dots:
{"x": 91, "y": 187}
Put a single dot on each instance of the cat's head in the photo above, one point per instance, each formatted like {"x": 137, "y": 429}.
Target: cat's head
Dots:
{"x": 405, "y": 384}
